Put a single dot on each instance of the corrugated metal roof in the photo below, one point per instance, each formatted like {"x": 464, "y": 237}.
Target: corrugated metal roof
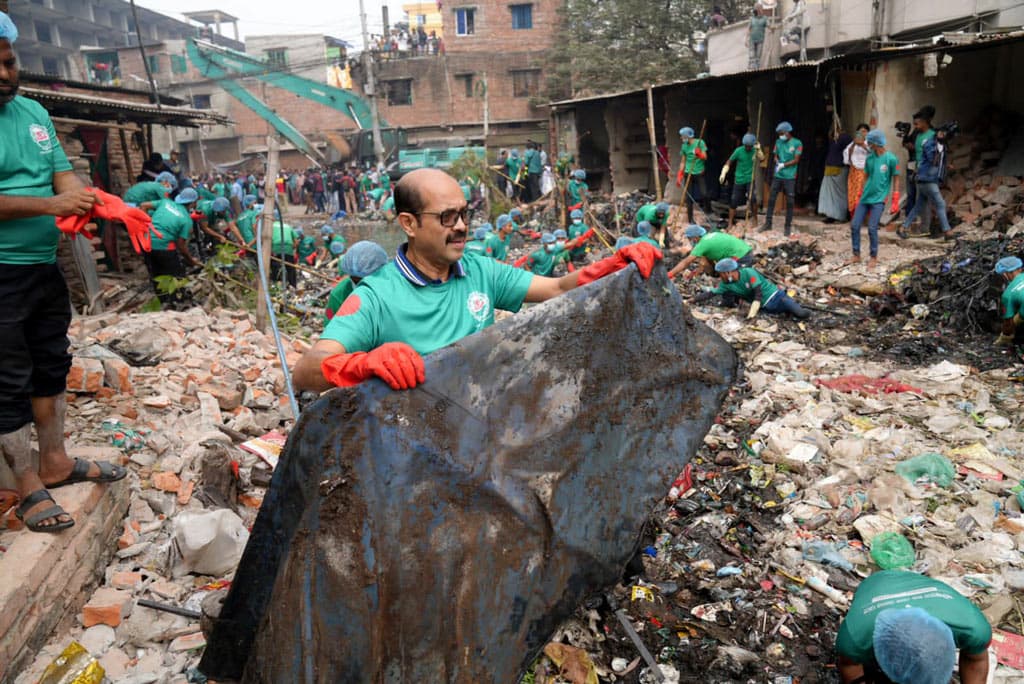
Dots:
{"x": 90, "y": 106}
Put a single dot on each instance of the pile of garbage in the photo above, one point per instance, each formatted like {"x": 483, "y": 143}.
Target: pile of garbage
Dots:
{"x": 812, "y": 479}
{"x": 195, "y": 403}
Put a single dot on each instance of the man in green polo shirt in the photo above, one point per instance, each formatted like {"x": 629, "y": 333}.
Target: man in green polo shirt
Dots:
{"x": 909, "y": 627}
{"x": 36, "y": 185}
{"x": 577, "y": 228}
{"x": 498, "y": 242}
{"x": 284, "y": 242}
{"x": 710, "y": 248}
{"x": 751, "y": 286}
{"x": 693, "y": 155}
{"x": 882, "y": 168}
{"x": 246, "y": 222}
{"x": 147, "y": 194}
{"x": 788, "y": 151}
{"x": 1010, "y": 269}
{"x": 578, "y": 190}
{"x": 657, "y": 216}
{"x": 172, "y": 227}
{"x": 432, "y": 293}
{"x": 745, "y": 156}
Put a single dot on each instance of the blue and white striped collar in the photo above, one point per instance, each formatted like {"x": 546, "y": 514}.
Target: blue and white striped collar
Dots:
{"x": 415, "y": 276}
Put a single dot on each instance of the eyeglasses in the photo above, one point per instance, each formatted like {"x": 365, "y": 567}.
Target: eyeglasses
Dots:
{"x": 449, "y": 217}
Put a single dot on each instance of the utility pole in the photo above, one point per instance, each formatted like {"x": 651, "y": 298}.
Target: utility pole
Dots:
{"x": 267, "y": 231}
{"x": 371, "y": 89}
{"x": 145, "y": 62}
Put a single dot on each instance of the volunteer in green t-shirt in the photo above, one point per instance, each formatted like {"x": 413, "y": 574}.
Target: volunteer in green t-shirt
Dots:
{"x": 363, "y": 259}
{"x": 172, "y": 227}
{"x": 693, "y": 155}
{"x": 882, "y": 167}
{"x": 284, "y": 241}
{"x": 786, "y": 155}
{"x": 542, "y": 261}
{"x": 578, "y": 190}
{"x": 643, "y": 234}
{"x": 751, "y": 286}
{"x": 515, "y": 170}
{"x": 709, "y": 249}
{"x": 657, "y": 216}
{"x": 147, "y": 194}
{"x": 576, "y": 229}
{"x": 907, "y": 628}
{"x": 209, "y": 212}
{"x": 745, "y": 156}
{"x": 1011, "y": 271}
{"x": 498, "y": 242}
{"x": 432, "y": 293}
{"x": 36, "y": 185}
{"x": 246, "y": 222}
{"x": 478, "y": 245}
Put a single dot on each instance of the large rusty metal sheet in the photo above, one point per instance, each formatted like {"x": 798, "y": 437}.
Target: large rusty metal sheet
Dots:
{"x": 440, "y": 534}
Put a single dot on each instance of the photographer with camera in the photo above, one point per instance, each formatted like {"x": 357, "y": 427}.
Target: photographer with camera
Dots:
{"x": 931, "y": 171}
{"x": 914, "y": 136}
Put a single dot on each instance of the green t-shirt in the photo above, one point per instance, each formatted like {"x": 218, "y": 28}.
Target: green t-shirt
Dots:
{"x": 365, "y": 183}
{"x": 205, "y": 207}
{"x": 746, "y": 287}
{"x": 648, "y": 213}
{"x": 246, "y": 224}
{"x": 881, "y": 169}
{"x": 532, "y": 161}
{"x": 389, "y": 204}
{"x": 787, "y": 151}
{"x": 688, "y": 151}
{"x": 902, "y": 589}
{"x": 757, "y": 28}
{"x": 150, "y": 191}
{"x": 513, "y": 166}
{"x": 478, "y": 247}
{"x": 172, "y": 221}
{"x": 219, "y": 190}
{"x": 30, "y": 154}
{"x": 542, "y": 262}
{"x": 919, "y": 142}
{"x": 718, "y": 246}
{"x": 575, "y": 230}
{"x": 385, "y": 181}
{"x": 427, "y": 315}
{"x": 283, "y": 240}
{"x": 577, "y": 191}
{"x": 307, "y": 246}
{"x": 337, "y": 297}
{"x": 1013, "y": 297}
{"x": 496, "y": 247}
{"x": 744, "y": 164}
{"x": 467, "y": 192}
{"x": 377, "y": 193}
{"x": 648, "y": 239}
{"x": 205, "y": 193}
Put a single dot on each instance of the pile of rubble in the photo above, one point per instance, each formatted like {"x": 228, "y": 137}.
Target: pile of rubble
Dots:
{"x": 177, "y": 394}
{"x": 748, "y": 566}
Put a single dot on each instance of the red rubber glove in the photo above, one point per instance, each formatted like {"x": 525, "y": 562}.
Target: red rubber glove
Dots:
{"x": 894, "y": 209}
{"x": 679, "y": 179}
{"x": 701, "y": 154}
{"x": 643, "y": 254}
{"x": 580, "y": 240}
{"x": 396, "y": 363}
{"x": 197, "y": 216}
{"x": 518, "y": 263}
{"x": 134, "y": 219}
{"x": 75, "y": 225}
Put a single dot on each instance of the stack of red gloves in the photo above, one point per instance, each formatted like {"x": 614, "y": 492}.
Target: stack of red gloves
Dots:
{"x": 112, "y": 208}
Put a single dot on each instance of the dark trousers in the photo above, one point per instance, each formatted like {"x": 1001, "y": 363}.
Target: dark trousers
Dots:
{"x": 697, "y": 192}
{"x": 164, "y": 262}
{"x": 782, "y": 303}
{"x": 533, "y": 186}
{"x": 290, "y": 273}
{"x": 788, "y": 186}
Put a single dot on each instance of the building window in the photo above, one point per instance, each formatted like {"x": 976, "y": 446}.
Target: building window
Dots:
{"x": 277, "y": 58}
{"x": 467, "y": 81}
{"x": 421, "y": 19}
{"x": 399, "y": 92}
{"x": 51, "y": 67}
{"x": 525, "y": 83}
{"x": 201, "y": 102}
{"x": 43, "y": 33}
{"x": 154, "y": 63}
{"x": 465, "y": 21}
{"x": 522, "y": 16}
{"x": 179, "y": 65}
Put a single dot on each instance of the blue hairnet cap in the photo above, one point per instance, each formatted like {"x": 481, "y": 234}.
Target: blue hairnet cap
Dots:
{"x": 661, "y": 208}
{"x": 480, "y": 233}
{"x": 547, "y": 238}
{"x": 487, "y": 226}
{"x": 644, "y": 228}
{"x": 503, "y": 221}
{"x": 363, "y": 259}
{"x": 515, "y": 214}
{"x": 336, "y": 247}
{"x": 749, "y": 139}
{"x": 727, "y": 265}
{"x": 686, "y": 132}
{"x": 1008, "y": 265}
{"x": 326, "y": 230}
{"x": 186, "y": 182}
{"x": 913, "y": 646}
{"x": 187, "y": 196}
{"x": 167, "y": 177}
{"x": 622, "y": 242}
{"x": 249, "y": 200}
{"x": 560, "y": 234}
{"x": 695, "y": 231}
{"x": 876, "y": 137}
{"x": 784, "y": 127}
{"x": 221, "y": 204}
{"x": 579, "y": 174}
{"x": 8, "y": 31}
{"x": 576, "y": 214}
{"x": 514, "y": 154}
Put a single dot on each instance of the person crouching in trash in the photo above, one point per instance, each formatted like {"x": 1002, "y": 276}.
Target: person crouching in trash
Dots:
{"x": 1012, "y": 271}
{"x": 749, "y": 285}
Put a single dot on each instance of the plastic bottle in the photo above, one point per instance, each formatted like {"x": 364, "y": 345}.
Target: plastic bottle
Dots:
{"x": 822, "y": 587}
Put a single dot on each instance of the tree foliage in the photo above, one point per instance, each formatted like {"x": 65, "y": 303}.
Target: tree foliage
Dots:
{"x": 610, "y": 45}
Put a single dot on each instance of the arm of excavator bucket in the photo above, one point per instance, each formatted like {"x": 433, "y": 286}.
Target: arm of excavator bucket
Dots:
{"x": 441, "y": 534}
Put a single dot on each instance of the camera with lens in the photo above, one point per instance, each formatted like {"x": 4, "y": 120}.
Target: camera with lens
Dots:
{"x": 948, "y": 129}
{"x": 903, "y": 127}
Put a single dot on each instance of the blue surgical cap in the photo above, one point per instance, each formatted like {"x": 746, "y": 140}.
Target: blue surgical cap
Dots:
{"x": 644, "y": 228}
{"x": 560, "y": 234}
{"x": 187, "y": 196}
{"x": 249, "y": 200}
{"x": 503, "y": 221}
{"x": 515, "y": 214}
{"x": 784, "y": 127}
{"x": 167, "y": 177}
{"x": 623, "y": 242}
{"x": 686, "y": 132}
{"x": 8, "y": 31}
{"x": 547, "y": 238}
{"x": 363, "y": 259}
{"x": 480, "y": 233}
{"x": 576, "y": 214}
{"x": 876, "y": 137}
{"x": 221, "y": 204}
{"x": 727, "y": 265}
{"x": 662, "y": 208}
{"x": 336, "y": 247}
{"x": 749, "y": 139}
{"x": 1008, "y": 265}
{"x": 579, "y": 174}
{"x": 695, "y": 231}
{"x": 911, "y": 645}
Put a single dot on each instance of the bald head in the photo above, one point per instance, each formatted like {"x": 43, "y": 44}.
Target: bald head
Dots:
{"x": 413, "y": 192}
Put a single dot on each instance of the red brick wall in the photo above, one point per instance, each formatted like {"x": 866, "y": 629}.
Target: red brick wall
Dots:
{"x": 493, "y": 27}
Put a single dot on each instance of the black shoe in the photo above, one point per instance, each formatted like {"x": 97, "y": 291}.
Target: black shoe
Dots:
{"x": 787, "y": 230}
{"x": 902, "y": 233}
{"x": 803, "y": 315}
{"x": 950, "y": 236}
{"x": 765, "y": 228}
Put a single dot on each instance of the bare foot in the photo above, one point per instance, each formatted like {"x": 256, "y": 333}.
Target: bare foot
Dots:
{"x": 853, "y": 260}
{"x": 872, "y": 263}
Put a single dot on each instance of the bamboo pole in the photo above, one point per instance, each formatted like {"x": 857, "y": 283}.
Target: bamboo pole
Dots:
{"x": 267, "y": 230}
{"x": 750, "y": 194}
{"x": 654, "y": 141}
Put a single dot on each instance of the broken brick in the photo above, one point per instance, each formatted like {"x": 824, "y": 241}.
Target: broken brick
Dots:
{"x": 166, "y": 482}
{"x": 188, "y": 642}
{"x": 125, "y": 580}
{"x": 185, "y": 492}
{"x": 127, "y": 538}
{"x": 107, "y": 607}
{"x": 118, "y": 375}
{"x": 86, "y": 375}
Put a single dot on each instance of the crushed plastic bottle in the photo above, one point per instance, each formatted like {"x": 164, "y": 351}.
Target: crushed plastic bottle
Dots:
{"x": 826, "y": 554}
{"x": 891, "y": 551}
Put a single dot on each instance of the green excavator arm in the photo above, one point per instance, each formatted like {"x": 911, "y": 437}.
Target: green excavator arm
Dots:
{"x": 225, "y": 65}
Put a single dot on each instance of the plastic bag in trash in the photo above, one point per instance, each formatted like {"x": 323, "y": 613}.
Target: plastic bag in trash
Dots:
{"x": 892, "y": 551}
{"x": 209, "y": 543}
{"x": 935, "y": 467}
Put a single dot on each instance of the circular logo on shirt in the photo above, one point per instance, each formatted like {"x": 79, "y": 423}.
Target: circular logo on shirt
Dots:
{"x": 884, "y": 168}
{"x": 41, "y": 137}
{"x": 479, "y": 305}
